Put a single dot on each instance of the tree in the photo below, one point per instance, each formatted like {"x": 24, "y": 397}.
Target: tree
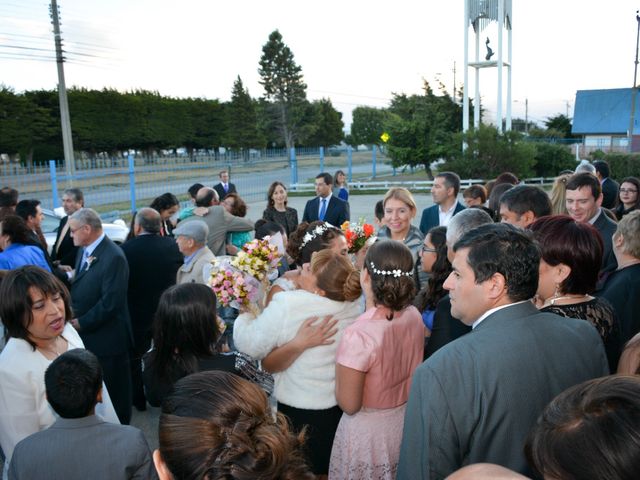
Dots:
{"x": 490, "y": 153}
{"x": 421, "y": 127}
{"x": 24, "y": 124}
{"x": 283, "y": 85}
{"x": 551, "y": 159}
{"x": 368, "y": 125}
{"x": 327, "y": 125}
{"x": 242, "y": 122}
{"x": 559, "y": 123}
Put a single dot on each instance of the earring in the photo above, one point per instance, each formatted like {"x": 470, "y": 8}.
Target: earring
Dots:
{"x": 556, "y": 293}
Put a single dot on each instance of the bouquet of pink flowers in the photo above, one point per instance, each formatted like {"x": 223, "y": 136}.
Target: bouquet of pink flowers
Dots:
{"x": 240, "y": 281}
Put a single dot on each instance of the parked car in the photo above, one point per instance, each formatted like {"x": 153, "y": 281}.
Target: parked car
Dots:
{"x": 116, "y": 231}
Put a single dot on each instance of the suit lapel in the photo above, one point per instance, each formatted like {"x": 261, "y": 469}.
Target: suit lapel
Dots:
{"x": 97, "y": 252}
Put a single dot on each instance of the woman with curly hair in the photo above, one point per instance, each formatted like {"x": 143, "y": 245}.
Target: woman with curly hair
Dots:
{"x": 433, "y": 260}
{"x": 216, "y": 425}
{"x": 375, "y": 361}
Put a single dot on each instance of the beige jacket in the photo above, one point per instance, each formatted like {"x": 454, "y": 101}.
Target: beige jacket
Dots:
{"x": 192, "y": 272}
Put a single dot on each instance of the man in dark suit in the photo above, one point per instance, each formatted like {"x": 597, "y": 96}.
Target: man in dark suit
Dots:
{"x": 224, "y": 187}
{"x": 64, "y": 251}
{"x": 583, "y": 201}
{"x": 325, "y": 207}
{"x": 31, "y": 212}
{"x": 80, "y": 444}
{"x": 444, "y": 192}
{"x": 476, "y": 399}
{"x": 610, "y": 187}
{"x": 99, "y": 300}
{"x": 153, "y": 263}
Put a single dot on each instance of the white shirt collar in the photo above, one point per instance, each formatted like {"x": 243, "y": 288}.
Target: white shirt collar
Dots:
{"x": 92, "y": 246}
{"x": 493, "y": 310}
{"x": 595, "y": 217}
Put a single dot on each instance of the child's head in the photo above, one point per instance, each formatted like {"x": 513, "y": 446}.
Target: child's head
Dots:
{"x": 73, "y": 382}
{"x": 390, "y": 266}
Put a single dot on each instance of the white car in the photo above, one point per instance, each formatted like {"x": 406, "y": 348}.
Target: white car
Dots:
{"x": 116, "y": 231}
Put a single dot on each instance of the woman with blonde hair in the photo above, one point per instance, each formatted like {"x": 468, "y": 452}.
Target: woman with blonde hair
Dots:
{"x": 217, "y": 425}
{"x": 399, "y": 211}
{"x": 559, "y": 194}
{"x": 305, "y": 388}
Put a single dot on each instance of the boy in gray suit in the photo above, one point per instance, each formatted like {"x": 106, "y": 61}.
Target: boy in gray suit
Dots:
{"x": 80, "y": 445}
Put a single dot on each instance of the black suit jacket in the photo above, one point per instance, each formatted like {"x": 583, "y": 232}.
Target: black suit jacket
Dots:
{"x": 99, "y": 299}
{"x": 431, "y": 216}
{"x": 606, "y": 227}
{"x": 337, "y": 211}
{"x": 67, "y": 252}
{"x": 610, "y": 193}
{"x": 153, "y": 263}
{"x": 445, "y": 329}
{"x": 221, "y": 193}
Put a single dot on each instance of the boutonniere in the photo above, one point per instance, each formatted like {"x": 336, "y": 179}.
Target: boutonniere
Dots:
{"x": 90, "y": 261}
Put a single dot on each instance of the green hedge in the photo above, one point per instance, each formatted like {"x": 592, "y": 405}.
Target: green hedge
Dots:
{"x": 623, "y": 165}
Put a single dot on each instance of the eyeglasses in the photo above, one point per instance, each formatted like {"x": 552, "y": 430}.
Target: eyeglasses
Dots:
{"x": 628, "y": 190}
{"x": 428, "y": 250}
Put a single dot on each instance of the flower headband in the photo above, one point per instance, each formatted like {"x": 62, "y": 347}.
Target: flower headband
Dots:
{"x": 396, "y": 273}
{"x": 309, "y": 236}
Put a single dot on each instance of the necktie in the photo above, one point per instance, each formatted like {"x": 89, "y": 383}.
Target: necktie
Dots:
{"x": 83, "y": 264}
{"x": 226, "y": 188}
{"x": 323, "y": 209}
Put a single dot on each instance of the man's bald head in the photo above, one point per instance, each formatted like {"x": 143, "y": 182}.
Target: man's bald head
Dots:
{"x": 206, "y": 197}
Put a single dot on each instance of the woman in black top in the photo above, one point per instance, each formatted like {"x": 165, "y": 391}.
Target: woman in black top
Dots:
{"x": 186, "y": 340}
{"x": 571, "y": 258}
{"x": 277, "y": 210}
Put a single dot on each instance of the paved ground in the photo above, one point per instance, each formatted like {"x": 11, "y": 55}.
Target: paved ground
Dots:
{"x": 361, "y": 207}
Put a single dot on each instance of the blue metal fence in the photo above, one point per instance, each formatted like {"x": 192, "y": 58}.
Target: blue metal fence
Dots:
{"x": 116, "y": 185}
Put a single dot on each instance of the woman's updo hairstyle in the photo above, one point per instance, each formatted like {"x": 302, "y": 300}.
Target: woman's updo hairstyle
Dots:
{"x": 216, "y": 425}
{"x": 390, "y": 266}
{"x": 321, "y": 233}
{"x": 336, "y": 275}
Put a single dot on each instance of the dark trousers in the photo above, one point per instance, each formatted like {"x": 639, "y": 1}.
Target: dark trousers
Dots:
{"x": 117, "y": 378}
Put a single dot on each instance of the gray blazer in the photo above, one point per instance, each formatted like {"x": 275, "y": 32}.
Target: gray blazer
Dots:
{"x": 81, "y": 448}
{"x": 220, "y": 222}
{"x": 476, "y": 398}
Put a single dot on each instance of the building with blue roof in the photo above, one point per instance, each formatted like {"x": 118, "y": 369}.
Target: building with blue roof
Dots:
{"x": 602, "y": 118}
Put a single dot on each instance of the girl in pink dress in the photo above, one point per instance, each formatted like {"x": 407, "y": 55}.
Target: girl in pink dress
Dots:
{"x": 375, "y": 361}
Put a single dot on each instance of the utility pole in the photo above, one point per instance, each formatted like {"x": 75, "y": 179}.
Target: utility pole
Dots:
{"x": 526, "y": 116}
{"x": 65, "y": 119}
{"x": 454, "y": 82}
{"x": 634, "y": 90}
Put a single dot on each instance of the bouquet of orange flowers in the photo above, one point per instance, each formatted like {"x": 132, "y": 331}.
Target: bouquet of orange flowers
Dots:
{"x": 357, "y": 234}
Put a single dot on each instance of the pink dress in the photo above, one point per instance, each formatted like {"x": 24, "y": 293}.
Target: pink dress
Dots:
{"x": 367, "y": 444}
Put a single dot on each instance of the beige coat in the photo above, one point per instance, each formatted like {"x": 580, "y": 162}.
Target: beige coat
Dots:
{"x": 192, "y": 272}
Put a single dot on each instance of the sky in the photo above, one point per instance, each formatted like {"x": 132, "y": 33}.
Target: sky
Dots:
{"x": 354, "y": 52}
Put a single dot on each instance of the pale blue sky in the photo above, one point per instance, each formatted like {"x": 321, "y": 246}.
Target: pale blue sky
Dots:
{"x": 354, "y": 52}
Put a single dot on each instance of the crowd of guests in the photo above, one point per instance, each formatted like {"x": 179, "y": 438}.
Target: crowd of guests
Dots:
{"x": 465, "y": 344}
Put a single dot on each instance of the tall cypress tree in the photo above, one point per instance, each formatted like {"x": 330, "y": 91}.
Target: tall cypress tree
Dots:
{"x": 283, "y": 86}
{"x": 242, "y": 121}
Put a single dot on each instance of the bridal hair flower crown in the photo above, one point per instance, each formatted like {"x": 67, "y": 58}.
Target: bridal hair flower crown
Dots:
{"x": 309, "y": 236}
{"x": 396, "y": 273}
